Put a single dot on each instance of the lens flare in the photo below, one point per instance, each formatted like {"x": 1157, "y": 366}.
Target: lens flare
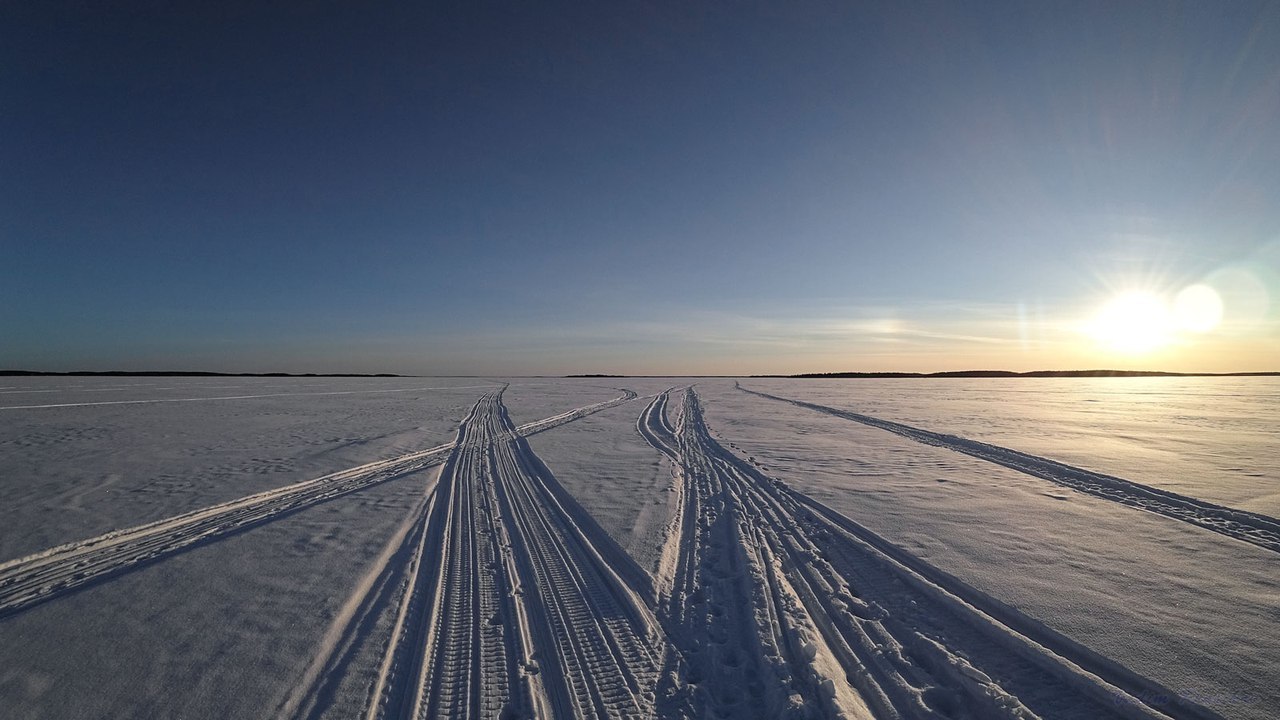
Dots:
{"x": 1197, "y": 308}
{"x": 1245, "y": 299}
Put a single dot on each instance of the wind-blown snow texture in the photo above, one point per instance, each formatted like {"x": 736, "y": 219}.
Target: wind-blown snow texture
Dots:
{"x": 647, "y": 548}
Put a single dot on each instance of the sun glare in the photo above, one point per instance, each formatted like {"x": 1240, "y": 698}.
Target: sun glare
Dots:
{"x": 1138, "y": 322}
{"x": 1134, "y": 323}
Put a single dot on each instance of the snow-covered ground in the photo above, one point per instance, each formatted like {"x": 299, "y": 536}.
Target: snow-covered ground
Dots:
{"x": 600, "y": 547}
{"x": 1211, "y": 438}
{"x": 82, "y": 456}
{"x": 619, "y": 478}
{"x": 529, "y": 399}
{"x": 1183, "y": 606}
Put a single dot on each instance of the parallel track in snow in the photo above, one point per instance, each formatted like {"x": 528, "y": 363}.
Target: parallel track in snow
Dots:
{"x": 521, "y": 615}
{"x": 1253, "y": 528}
{"x": 781, "y": 605}
{"x": 655, "y": 428}
{"x": 477, "y": 660}
{"x": 51, "y": 573}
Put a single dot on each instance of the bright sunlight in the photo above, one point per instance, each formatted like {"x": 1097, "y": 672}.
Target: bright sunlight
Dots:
{"x": 1140, "y": 322}
{"x": 1134, "y": 323}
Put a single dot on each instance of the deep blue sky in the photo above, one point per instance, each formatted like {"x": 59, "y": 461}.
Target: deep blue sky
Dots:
{"x": 514, "y": 188}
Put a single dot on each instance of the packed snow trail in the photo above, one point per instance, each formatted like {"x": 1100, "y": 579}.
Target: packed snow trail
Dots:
{"x": 39, "y": 577}
{"x": 1253, "y": 528}
{"x": 782, "y": 607}
{"x": 513, "y": 610}
{"x": 732, "y": 623}
{"x": 656, "y": 428}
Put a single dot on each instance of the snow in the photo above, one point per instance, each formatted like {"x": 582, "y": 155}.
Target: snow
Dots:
{"x": 223, "y": 630}
{"x": 73, "y": 472}
{"x": 693, "y": 566}
{"x": 1171, "y": 601}
{"x": 616, "y": 476}
{"x": 529, "y": 399}
{"x": 1211, "y": 438}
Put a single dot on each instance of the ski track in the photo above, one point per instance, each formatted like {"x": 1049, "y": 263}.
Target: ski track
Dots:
{"x": 783, "y": 608}
{"x": 521, "y": 616}
{"x": 1253, "y": 528}
{"x": 51, "y": 573}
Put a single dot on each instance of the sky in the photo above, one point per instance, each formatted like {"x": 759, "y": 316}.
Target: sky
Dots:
{"x": 639, "y": 188}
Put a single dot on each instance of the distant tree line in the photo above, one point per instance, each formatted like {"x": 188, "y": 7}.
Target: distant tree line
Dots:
{"x": 182, "y": 373}
{"x": 1010, "y": 373}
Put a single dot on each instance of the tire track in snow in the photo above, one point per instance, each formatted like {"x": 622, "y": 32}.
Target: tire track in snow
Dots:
{"x": 1252, "y": 528}
{"x": 51, "y": 573}
{"x": 781, "y": 606}
{"x": 523, "y": 615}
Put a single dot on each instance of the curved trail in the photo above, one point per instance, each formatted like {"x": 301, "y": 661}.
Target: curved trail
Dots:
{"x": 42, "y": 576}
{"x": 656, "y": 428}
{"x": 1252, "y": 528}
{"x": 781, "y": 606}
{"x": 522, "y": 615}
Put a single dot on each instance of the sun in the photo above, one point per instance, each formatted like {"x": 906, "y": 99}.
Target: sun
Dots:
{"x": 1134, "y": 323}
{"x": 1140, "y": 322}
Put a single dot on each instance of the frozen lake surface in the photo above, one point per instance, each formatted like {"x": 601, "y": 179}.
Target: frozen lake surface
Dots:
{"x": 628, "y": 547}
{"x": 1213, "y": 438}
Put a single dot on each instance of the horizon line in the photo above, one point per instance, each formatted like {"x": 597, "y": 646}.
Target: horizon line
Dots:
{"x": 888, "y": 374}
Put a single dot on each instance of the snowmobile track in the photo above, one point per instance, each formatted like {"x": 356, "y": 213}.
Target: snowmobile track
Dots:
{"x": 51, "y": 573}
{"x": 1253, "y": 528}
{"x": 522, "y": 616}
{"x": 813, "y": 615}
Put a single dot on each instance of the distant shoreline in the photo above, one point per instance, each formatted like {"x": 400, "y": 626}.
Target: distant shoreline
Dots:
{"x": 181, "y": 373}
{"x": 961, "y": 374}
{"x": 1012, "y": 374}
